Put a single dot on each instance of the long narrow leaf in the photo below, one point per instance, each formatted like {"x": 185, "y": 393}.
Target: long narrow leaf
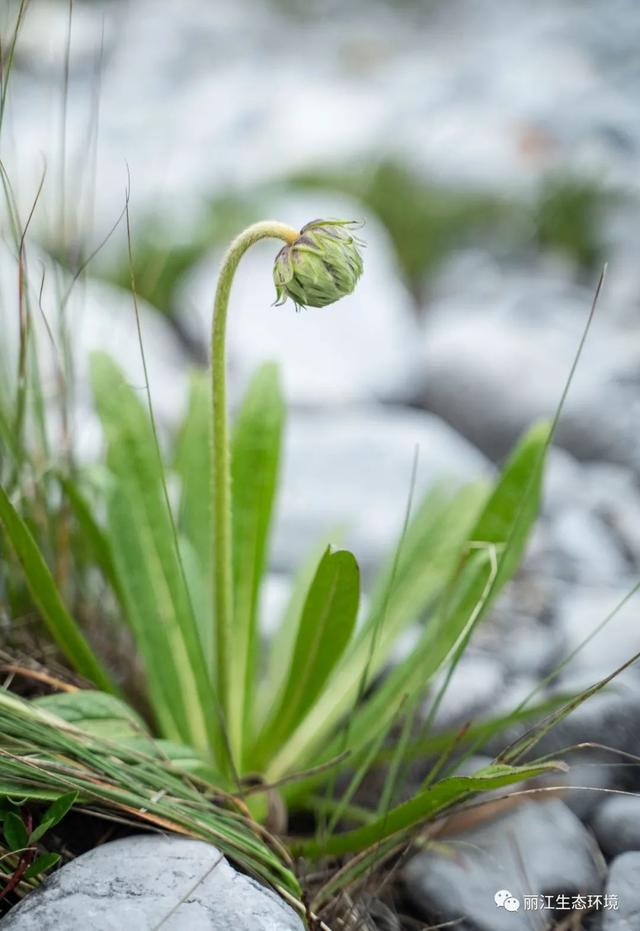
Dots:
{"x": 94, "y": 536}
{"x": 59, "y": 622}
{"x": 474, "y": 581}
{"x": 192, "y": 464}
{"x": 437, "y": 535}
{"x": 255, "y": 456}
{"x": 326, "y": 625}
{"x": 425, "y": 805}
{"x": 148, "y": 560}
{"x": 283, "y": 642}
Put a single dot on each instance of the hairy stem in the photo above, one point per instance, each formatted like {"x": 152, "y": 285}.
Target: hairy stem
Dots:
{"x": 230, "y": 679}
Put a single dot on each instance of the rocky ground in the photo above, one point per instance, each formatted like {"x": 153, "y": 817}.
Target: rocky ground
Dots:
{"x": 491, "y": 98}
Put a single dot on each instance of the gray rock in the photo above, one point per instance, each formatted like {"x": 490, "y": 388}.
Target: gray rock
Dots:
{"x": 145, "y": 882}
{"x": 347, "y": 474}
{"x": 592, "y": 513}
{"x": 532, "y": 849}
{"x": 611, "y": 721}
{"x": 445, "y": 92}
{"x": 580, "y": 611}
{"x": 624, "y": 882}
{"x": 497, "y": 361}
{"x": 529, "y": 648}
{"x": 585, "y": 549}
{"x": 587, "y": 781}
{"x": 616, "y": 824}
{"x": 473, "y": 689}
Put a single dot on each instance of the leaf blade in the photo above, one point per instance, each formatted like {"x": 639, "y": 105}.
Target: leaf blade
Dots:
{"x": 326, "y": 624}
{"x": 255, "y": 459}
{"x": 148, "y": 560}
{"x": 53, "y": 815}
{"x": 44, "y": 592}
{"x": 424, "y": 805}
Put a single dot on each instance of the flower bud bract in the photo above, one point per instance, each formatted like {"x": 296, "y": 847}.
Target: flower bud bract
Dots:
{"x": 322, "y": 265}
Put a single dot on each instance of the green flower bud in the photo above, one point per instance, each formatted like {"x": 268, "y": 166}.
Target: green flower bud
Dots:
{"x": 322, "y": 265}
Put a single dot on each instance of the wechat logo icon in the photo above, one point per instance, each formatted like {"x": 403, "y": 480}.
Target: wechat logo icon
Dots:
{"x": 504, "y": 899}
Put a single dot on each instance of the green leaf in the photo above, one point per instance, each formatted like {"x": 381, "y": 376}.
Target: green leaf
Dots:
{"x": 148, "y": 560}
{"x": 96, "y": 539}
{"x": 423, "y": 806}
{"x": 184, "y": 758}
{"x": 42, "y": 863}
{"x": 192, "y": 463}
{"x": 494, "y": 551}
{"x": 255, "y": 457}
{"x": 95, "y": 713}
{"x": 326, "y": 625}
{"x": 15, "y": 832}
{"x": 59, "y": 622}
{"x": 427, "y": 557}
{"x": 53, "y": 815}
{"x": 283, "y": 641}
{"x": 475, "y": 573}
{"x": 513, "y": 507}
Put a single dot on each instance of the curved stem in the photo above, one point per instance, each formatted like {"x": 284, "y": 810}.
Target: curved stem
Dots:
{"x": 229, "y": 691}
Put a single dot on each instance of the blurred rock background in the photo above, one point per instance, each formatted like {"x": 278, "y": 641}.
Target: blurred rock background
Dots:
{"x": 492, "y": 150}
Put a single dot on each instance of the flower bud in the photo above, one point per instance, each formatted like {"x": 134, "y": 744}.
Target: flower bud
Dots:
{"x": 322, "y": 265}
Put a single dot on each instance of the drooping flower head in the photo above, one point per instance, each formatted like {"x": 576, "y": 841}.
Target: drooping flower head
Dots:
{"x": 321, "y": 266}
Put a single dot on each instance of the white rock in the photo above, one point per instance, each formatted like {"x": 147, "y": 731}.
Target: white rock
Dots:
{"x": 475, "y": 686}
{"x": 624, "y": 883}
{"x": 533, "y": 848}
{"x": 145, "y": 881}
{"x": 497, "y": 360}
{"x": 616, "y": 824}
{"x": 347, "y": 474}
{"x": 581, "y": 612}
{"x": 585, "y": 549}
{"x": 274, "y": 597}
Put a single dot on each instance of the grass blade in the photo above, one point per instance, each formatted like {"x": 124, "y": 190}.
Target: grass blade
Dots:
{"x": 423, "y": 806}
{"x": 42, "y": 757}
{"x": 59, "y": 622}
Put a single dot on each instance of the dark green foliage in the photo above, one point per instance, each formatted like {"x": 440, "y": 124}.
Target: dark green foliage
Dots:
{"x": 568, "y": 218}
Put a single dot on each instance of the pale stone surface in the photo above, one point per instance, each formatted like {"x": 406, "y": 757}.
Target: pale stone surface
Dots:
{"x": 616, "y": 824}
{"x": 534, "y": 848}
{"x": 624, "y": 882}
{"x": 146, "y": 882}
{"x": 347, "y": 473}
